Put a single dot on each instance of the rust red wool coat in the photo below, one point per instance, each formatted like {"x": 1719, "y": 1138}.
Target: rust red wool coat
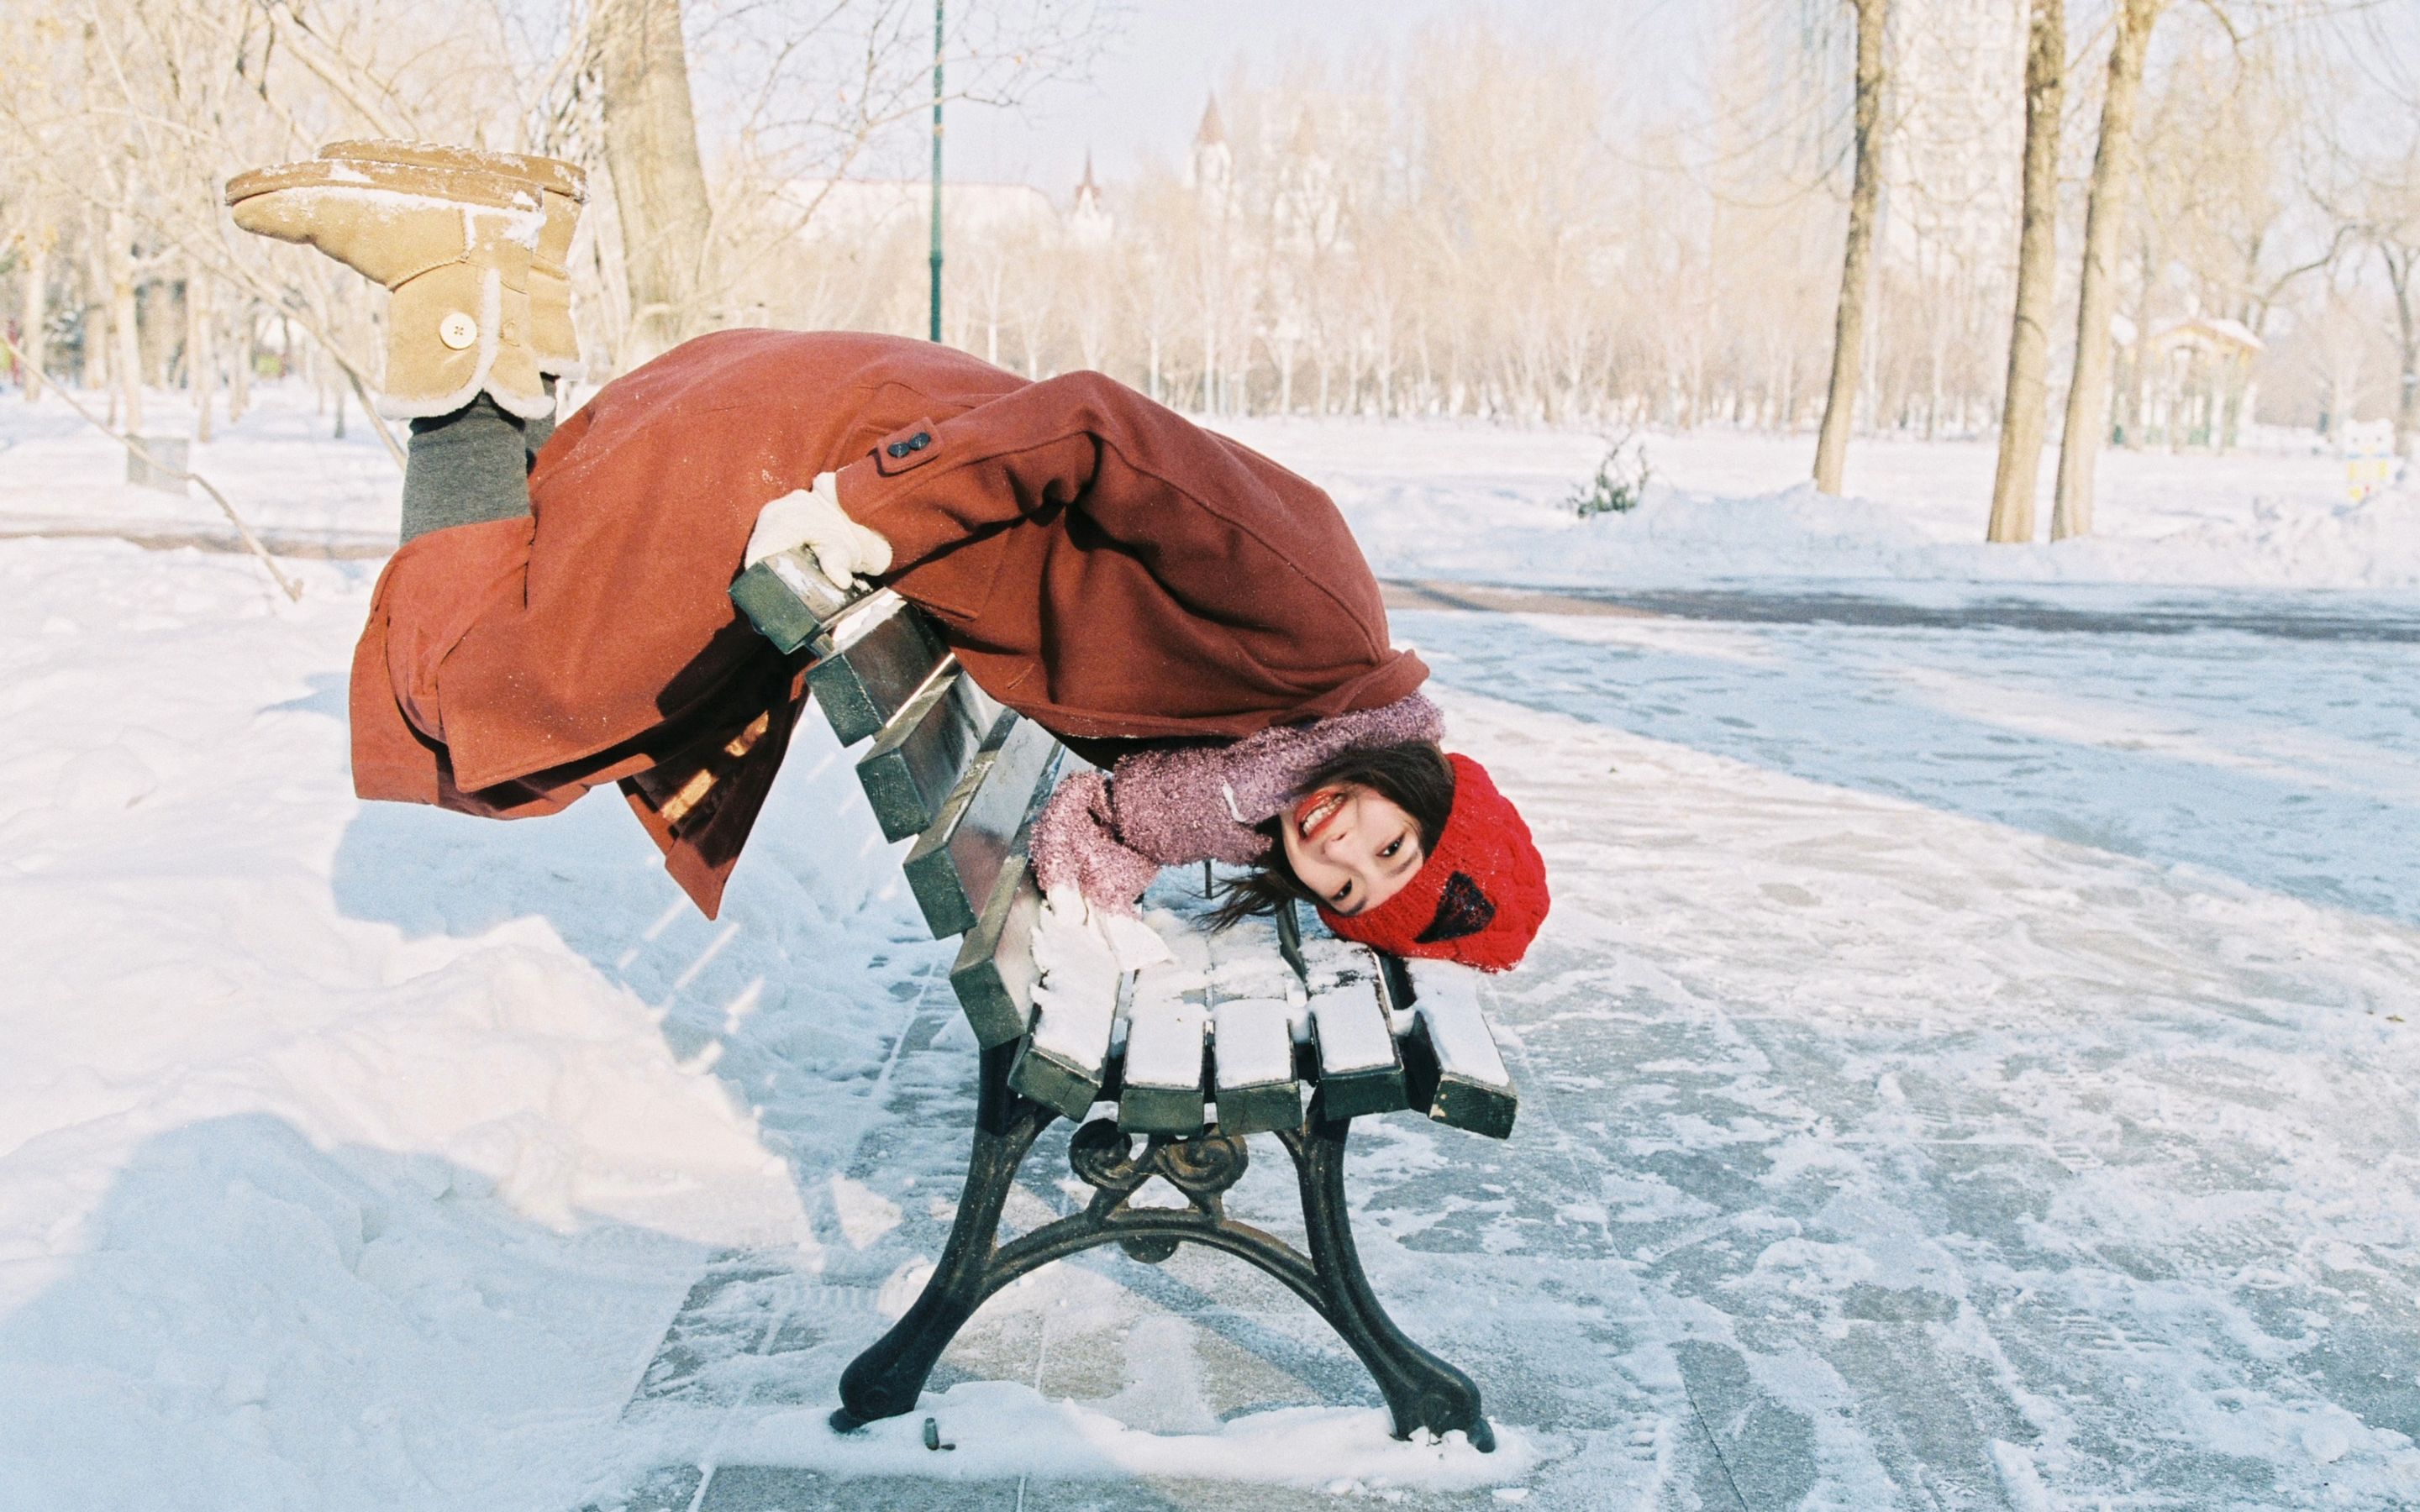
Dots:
{"x": 1098, "y": 563}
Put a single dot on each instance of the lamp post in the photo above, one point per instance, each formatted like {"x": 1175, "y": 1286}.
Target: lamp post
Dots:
{"x": 937, "y": 171}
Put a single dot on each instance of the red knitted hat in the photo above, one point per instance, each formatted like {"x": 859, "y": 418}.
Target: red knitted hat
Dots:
{"x": 1478, "y": 899}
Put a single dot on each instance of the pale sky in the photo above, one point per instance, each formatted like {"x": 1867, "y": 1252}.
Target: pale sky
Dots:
{"x": 1147, "y": 89}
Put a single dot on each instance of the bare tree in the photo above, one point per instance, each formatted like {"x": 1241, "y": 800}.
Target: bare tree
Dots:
{"x": 2380, "y": 208}
{"x": 660, "y": 194}
{"x": 1856, "y": 278}
{"x": 2025, "y": 401}
{"x": 201, "y": 374}
{"x": 2398, "y": 253}
{"x": 34, "y": 269}
{"x": 2087, "y": 393}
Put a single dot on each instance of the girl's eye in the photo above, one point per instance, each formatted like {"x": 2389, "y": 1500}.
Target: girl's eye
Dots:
{"x": 1392, "y": 846}
{"x": 1341, "y": 893}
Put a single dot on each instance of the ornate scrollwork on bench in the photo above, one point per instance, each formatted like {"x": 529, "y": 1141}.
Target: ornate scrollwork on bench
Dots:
{"x": 1203, "y": 1169}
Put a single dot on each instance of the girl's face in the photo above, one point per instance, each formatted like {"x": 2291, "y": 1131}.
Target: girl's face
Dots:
{"x": 1350, "y": 846}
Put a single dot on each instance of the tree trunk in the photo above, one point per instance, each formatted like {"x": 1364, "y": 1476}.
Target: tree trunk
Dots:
{"x": 2025, "y": 405}
{"x": 2401, "y": 263}
{"x": 240, "y": 334}
{"x": 201, "y": 367}
{"x": 92, "y": 366}
{"x": 35, "y": 310}
{"x": 1864, "y": 194}
{"x": 2134, "y": 399}
{"x": 659, "y": 179}
{"x": 126, "y": 345}
{"x": 2087, "y": 393}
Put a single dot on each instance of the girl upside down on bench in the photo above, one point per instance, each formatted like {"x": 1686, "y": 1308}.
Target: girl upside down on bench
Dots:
{"x": 1179, "y": 609}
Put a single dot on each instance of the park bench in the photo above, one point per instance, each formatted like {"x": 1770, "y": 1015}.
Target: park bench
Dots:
{"x": 1191, "y": 1055}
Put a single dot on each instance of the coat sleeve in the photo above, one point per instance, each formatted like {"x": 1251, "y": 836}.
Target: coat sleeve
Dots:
{"x": 1221, "y": 527}
{"x": 1203, "y": 802}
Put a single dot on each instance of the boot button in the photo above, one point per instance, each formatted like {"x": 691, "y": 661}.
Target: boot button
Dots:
{"x": 458, "y": 331}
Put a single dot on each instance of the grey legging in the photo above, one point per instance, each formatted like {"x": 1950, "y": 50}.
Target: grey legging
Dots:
{"x": 469, "y": 466}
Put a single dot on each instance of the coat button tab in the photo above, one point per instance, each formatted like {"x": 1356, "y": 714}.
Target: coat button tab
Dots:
{"x": 899, "y": 448}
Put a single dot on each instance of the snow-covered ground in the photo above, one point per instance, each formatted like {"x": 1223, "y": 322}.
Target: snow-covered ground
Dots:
{"x": 281, "y": 466}
{"x": 1445, "y": 500}
{"x": 1964, "y": 1067}
{"x": 1437, "y": 500}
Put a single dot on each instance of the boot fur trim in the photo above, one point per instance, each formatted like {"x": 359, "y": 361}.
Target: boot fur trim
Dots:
{"x": 492, "y": 320}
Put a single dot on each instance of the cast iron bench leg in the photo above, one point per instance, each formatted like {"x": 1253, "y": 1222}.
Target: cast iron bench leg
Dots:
{"x": 1422, "y": 1391}
{"x": 885, "y": 1380}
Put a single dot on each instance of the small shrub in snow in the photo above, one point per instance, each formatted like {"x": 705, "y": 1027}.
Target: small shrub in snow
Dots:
{"x": 1620, "y": 478}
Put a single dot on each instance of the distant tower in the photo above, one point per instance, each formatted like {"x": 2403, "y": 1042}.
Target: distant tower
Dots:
{"x": 1210, "y": 172}
{"x": 1091, "y": 224}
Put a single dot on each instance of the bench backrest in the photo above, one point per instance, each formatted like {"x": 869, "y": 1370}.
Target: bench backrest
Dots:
{"x": 1243, "y": 1021}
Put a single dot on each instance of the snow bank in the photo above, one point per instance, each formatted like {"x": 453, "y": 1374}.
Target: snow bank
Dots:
{"x": 1440, "y": 501}
{"x": 354, "y": 1156}
{"x": 1443, "y": 500}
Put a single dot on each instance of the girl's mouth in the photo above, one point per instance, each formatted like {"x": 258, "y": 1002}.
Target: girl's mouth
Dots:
{"x": 1312, "y": 815}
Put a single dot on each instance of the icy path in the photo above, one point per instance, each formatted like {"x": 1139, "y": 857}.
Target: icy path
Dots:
{"x": 1990, "y": 1048}
{"x": 1964, "y": 1069}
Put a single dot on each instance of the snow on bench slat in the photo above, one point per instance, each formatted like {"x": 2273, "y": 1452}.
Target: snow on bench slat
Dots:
{"x": 789, "y": 602}
{"x": 1253, "y": 1046}
{"x": 1167, "y": 1022}
{"x": 857, "y": 620}
{"x": 1359, "y": 1071}
{"x": 1329, "y": 961}
{"x": 1351, "y": 1031}
{"x": 1454, "y": 1072}
{"x": 1074, "y": 1010}
{"x": 1164, "y": 1034}
{"x": 1447, "y": 1005}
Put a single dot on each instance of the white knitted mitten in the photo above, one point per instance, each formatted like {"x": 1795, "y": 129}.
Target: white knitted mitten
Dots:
{"x": 811, "y": 518}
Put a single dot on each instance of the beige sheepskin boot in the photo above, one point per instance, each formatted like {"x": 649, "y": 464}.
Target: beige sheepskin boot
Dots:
{"x": 563, "y": 188}
{"x": 454, "y": 249}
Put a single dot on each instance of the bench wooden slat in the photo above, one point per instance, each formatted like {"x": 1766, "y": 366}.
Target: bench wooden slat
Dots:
{"x": 1359, "y": 1071}
{"x": 954, "y": 864}
{"x": 1167, "y": 1026}
{"x": 1077, "y": 1005}
{"x": 787, "y": 600}
{"x": 995, "y": 972}
{"x": 1454, "y": 1071}
{"x": 924, "y": 749}
{"x": 1066, "y": 1055}
{"x": 1251, "y": 1049}
{"x": 881, "y": 654}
